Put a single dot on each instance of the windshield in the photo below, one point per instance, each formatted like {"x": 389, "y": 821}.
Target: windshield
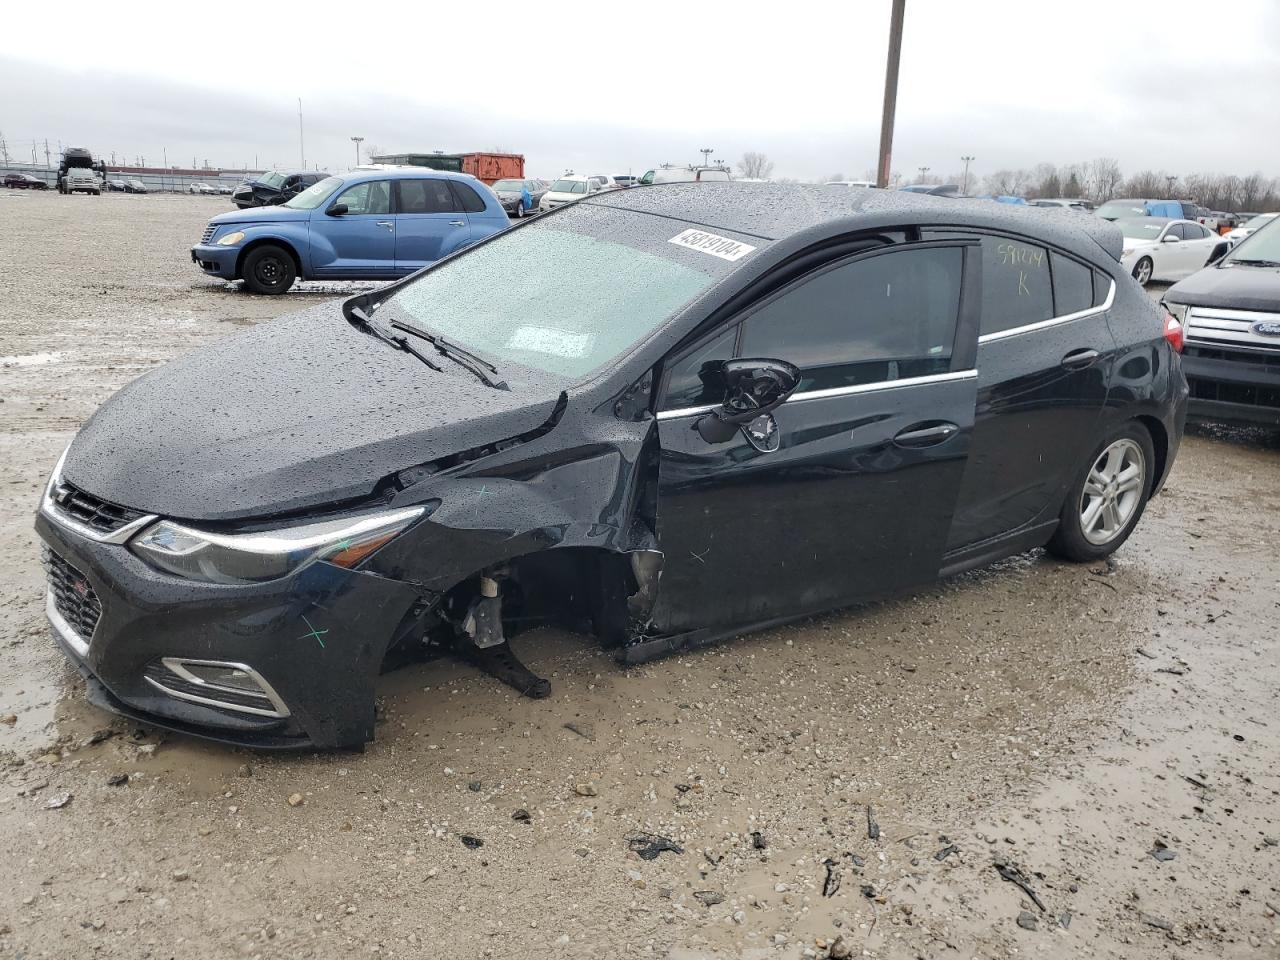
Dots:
{"x": 315, "y": 194}
{"x": 1263, "y": 244}
{"x": 565, "y": 299}
{"x": 569, "y": 186}
{"x": 272, "y": 179}
{"x": 510, "y": 186}
{"x": 1141, "y": 228}
{"x": 1113, "y": 211}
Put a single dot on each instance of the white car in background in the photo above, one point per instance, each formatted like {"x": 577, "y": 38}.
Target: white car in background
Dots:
{"x": 1159, "y": 248}
{"x": 569, "y": 188}
{"x": 199, "y": 187}
{"x": 1249, "y": 226}
{"x": 850, "y": 183}
{"x": 670, "y": 174}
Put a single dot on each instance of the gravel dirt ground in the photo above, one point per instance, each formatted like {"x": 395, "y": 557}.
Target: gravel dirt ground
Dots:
{"x": 1110, "y": 734}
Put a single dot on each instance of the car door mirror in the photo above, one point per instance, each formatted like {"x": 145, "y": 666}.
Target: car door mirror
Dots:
{"x": 752, "y": 387}
{"x": 1169, "y": 238}
{"x": 337, "y": 210}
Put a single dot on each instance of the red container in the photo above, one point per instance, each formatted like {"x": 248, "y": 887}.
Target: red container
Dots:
{"x": 491, "y": 167}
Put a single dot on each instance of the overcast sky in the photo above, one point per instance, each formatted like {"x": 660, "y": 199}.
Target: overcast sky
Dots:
{"x": 1179, "y": 86}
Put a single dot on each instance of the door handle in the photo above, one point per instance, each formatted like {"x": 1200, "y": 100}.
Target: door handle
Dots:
{"x": 389, "y": 224}
{"x": 925, "y": 434}
{"x": 1078, "y": 359}
{"x": 457, "y": 223}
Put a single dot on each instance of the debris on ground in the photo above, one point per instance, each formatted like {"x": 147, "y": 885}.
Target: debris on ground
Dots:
{"x": 1015, "y": 876}
{"x": 832, "y": 882}
{"x": 1028, "y": 920}
{"x": 585, "y": 730}
{"x": 647, "y": 846}
{"x": 839, "y": 950}
{"x": 946, "y": 851}
{"x": 522, "y": 816}
{"x": 470, "y": 842}
{"x": 117, "y": 780}
{"x": 585, "y": 789}
{"x": 1064, "y": 919}
{"x": 868, "y": 891}
{"x": 708, "y": 898}
{"x": 57, "y": 801}
{"x": 1156, "y": 922}
{"x": 296, "y": 800}
{"x": 857, "y": 861}
{"x": 1160, "y": 851}
{"x": 758, "y": 842}
{"x": 873, "y": 828}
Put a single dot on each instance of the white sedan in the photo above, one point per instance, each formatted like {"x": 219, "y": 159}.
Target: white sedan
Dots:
{"x": 1157, "y": 248}
{"x": 1250, "y": 225}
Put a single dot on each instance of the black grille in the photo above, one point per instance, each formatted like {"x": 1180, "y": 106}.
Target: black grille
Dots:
{"x": 73, "y": 597}
{"x": 1224, "y": 392}
{"x": 1256, "y": 357}
{"x": 87, "y": 509}
{"x": 208, "y": 233}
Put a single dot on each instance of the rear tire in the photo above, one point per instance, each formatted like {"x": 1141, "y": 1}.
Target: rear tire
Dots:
{"x": 1107, "y": 496}
{"x": 269, "y": 270}
{"x": 1142, "y": 271}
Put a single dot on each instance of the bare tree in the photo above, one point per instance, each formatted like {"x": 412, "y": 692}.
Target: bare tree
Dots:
{"x": 371, "y": 151}
{"x": 1072, "y": 187}
{"x": 1146, "y": 183}
{"x": 1102, "y": 179}
{"x": 1252, "y": 189}
{"x": 755, "y": 166}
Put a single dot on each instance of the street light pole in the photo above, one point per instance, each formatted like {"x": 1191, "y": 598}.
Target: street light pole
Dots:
{"x": 302, "y": 150}
{"x": 706, "y": 155}
{"x": 357, "y": 141}
{"x": 890, "y": 92}
{"x": 967, "y": 160}
{"x": 923, "y": 171}
{"x": 1171, "y": 180}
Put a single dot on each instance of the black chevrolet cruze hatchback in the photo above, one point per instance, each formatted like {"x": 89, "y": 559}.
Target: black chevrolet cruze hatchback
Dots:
{"x": 667, "y": 415}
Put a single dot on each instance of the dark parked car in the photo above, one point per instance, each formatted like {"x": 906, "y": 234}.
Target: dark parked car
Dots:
{"x": 1230, "y": 312}
{"x": 933, "y": 189}
{"x": 520, "y": 197}
{"x": 674, "y": 413}
{"x": 274, "y": 187}
{"x": 134, "y": 186}
{"x": 116, "y": 186}
{"x": 24, "y": 181}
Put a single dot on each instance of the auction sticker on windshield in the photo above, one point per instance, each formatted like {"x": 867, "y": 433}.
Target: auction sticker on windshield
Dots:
{"x": 714, "y": 244}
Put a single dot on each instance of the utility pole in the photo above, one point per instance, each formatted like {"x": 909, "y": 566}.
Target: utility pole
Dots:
{"x": 890, "y": 92}
{"x": 357, "y": 141}
{"x": 46, "y": 151}
{"x": 1171, "y": 180}
{"x": 302, "y": 150}
{"x": 4, "y": 150}
{"x": 967, "y": 160}
{"x": 706, "y": 155}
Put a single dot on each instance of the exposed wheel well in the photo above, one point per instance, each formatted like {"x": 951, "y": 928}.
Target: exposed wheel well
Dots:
{"x": 268, "y": 241}
{"x": 1160, "y": 442}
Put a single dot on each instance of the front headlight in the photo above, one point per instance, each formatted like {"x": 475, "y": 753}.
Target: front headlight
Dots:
{"x": 267, "y": 555}
{"x": 1179, "y": 310}
{"x": 231, "y": 239}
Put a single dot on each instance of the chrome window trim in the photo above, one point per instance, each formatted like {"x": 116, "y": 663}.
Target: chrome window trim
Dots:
{"x": 62, "y": 628}
{"x": 1052, "y": 321}
{"x": 176, "y": 665}
{"x": 837, "y": 392}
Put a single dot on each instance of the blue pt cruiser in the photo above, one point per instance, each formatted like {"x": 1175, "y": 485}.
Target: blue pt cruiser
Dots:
{"x": 368, "y": 225}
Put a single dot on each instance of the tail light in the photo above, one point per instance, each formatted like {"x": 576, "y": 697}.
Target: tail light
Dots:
{"x": 1173, "y": 332}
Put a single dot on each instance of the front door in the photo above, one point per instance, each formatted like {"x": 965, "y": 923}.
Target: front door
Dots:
{"x": 359, "y": 242}
{"x": 847, "y": 493}
{"x": 429, "y": 223}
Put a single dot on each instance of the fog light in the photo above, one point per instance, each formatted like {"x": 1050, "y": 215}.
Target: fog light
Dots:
{"x": 216, "y": 683}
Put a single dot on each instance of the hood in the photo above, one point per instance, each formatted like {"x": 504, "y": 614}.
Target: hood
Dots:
{"x": 1230, "y": 288}
{"x": 262, "y": 215}
{"x": 295, "y": 413}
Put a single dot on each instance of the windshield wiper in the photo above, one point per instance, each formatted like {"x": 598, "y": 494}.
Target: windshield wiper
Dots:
{"x": 1255, "y": 263}
{"x": 357, "y": 317}
{"x": 459, "y": 355}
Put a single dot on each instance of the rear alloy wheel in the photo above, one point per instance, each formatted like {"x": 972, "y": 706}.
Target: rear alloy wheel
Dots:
{"x": 1107, "y": 497}
{"x": 269, "y": 270}
{"x": 1142, "y": 271}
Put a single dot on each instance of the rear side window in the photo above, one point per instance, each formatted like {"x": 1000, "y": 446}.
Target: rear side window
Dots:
{"x": 468, "y": 198}
{"x": 1072, "y": 286}
{"x": 1016, "y": 285}
{"x": 426, "y": 196}
{"x": 881, "y": 318}
{"x": 1101, "y": 288}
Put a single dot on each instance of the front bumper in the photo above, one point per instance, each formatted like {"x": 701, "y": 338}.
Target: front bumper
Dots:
{"x": 316, "y": 638}
{"x": 1233, "y": 387}
{"x": 217, "y": 261}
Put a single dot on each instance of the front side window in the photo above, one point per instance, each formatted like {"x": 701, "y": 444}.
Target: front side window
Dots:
{"x": 693, "y": 380}
{"x": 880, "y": 318}
{"x": 1016, "y": 285}
{"x": 426, "y": 196}
{"x": 370, "y": 197}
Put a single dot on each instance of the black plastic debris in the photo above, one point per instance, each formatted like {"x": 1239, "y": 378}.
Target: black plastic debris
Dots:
{"x": 1028, "y": 920}
{"x": 522, "y": 816}
{"x": 683, "y": 787}
{"x": 117, "y": 780}
{"x": 470, "y": 842}
{"x": 708, "y": 898}
{"x": 647, "y": 846}
{"x": 475, "y": 786}
{"x": 873, "y": 828}
{"x": 857, "y": 861}
{"x": 758, "y": 842}
{"x": 839, "y": 950}
{"x": 1161, "y": 852}
{"x": 832, "y": 882}
{"x": 945, "y": 852}
{"x": 585, "y": 730}
{"x": 1013, "y": 875}
{"x": 868, "y": 891}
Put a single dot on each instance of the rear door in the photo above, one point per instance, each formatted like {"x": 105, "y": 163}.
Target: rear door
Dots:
{"x": 847, "y": 490}
{"x": 360, "y": 242}
{"x": 430, "y": 222}
{"x": 1044, "y": 358}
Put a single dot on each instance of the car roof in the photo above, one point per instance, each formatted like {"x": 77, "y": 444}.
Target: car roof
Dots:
{"x": 406, "y": 173}
{"x": 775, "y": 211}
